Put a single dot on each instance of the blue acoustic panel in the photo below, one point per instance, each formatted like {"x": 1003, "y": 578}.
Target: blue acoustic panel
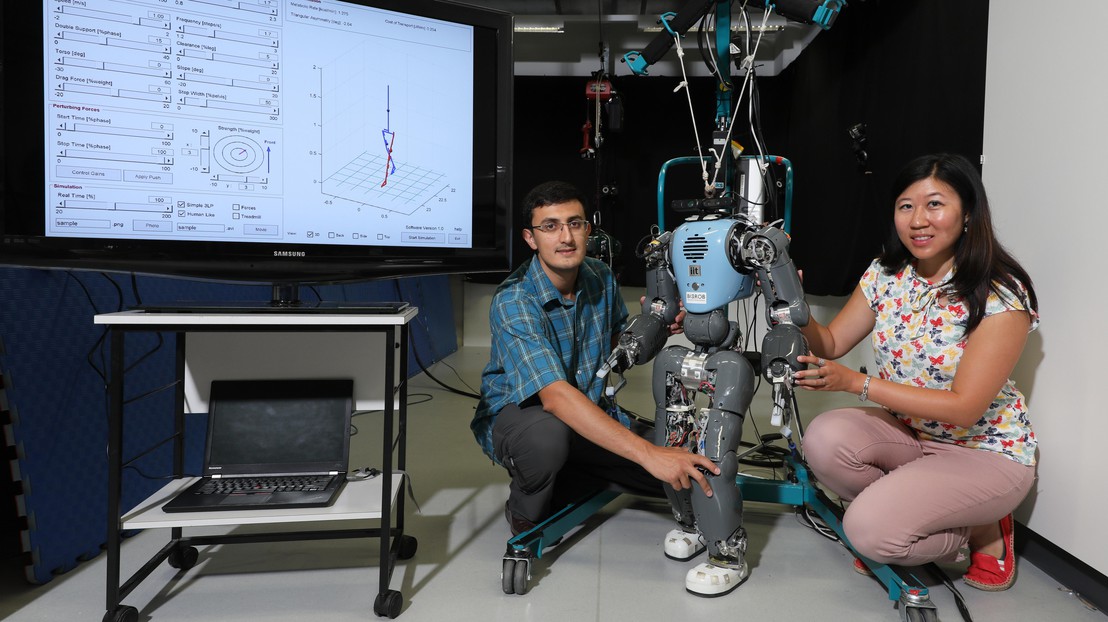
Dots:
{"x": 54, "y": 366}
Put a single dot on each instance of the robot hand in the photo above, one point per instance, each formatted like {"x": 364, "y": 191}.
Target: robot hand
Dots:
{"x": 640, "y": 342}
{"x": 781, "y": 346}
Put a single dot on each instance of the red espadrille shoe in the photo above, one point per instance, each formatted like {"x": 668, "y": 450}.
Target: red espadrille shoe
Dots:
{"x": 861, "y": 568}
{"x": 989, "y": 573}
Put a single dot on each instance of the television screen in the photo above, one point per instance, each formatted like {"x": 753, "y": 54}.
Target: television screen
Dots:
{"x": 274, "y": 140}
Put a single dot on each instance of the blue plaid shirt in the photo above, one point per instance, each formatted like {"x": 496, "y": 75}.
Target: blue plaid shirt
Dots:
{"x": 539, "y": 337}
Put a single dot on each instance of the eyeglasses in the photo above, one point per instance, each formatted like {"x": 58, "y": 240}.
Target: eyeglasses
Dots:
{"x": 577, "y": 225}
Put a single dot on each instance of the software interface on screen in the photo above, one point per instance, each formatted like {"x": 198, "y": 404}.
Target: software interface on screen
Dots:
{"x": 285, "y": 121}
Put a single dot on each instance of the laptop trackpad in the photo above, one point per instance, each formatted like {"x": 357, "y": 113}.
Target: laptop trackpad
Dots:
{"x": 249, "y": 498}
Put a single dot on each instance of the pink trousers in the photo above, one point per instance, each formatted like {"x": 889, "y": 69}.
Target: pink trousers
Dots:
{"x": 911, "y": 501}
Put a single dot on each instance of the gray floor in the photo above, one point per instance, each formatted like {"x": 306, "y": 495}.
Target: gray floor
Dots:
{"x": 612, "y": 568}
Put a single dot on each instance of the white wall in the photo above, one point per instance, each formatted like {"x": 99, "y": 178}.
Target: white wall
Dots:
{"x": 1046, "y": 125}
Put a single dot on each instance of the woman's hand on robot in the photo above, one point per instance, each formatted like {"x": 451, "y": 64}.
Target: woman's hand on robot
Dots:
{"x": 824, "y": 375}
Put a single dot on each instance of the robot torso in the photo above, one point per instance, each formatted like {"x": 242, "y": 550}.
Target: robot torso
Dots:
{"x": 706, "y": 278}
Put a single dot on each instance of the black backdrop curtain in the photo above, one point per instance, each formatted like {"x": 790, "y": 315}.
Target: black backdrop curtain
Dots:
{"x": 912, "y": 72}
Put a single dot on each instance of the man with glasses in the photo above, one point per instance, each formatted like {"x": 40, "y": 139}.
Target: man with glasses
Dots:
{"x": 542, "y": 414}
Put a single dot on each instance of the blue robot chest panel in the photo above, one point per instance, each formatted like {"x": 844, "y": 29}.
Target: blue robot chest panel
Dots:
{"x": 706, "y": 280}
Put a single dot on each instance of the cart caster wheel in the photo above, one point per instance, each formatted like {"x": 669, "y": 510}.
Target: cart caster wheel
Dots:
{"x": 520, "y": 577}
{"x": 507, "y": 574}
{"x": 122, "y": 613}
{"x": 407, "y": 548}
{"x": 183, "y": 558}
{"x": 388, "y": 604}
{"x": 515, "y": 574}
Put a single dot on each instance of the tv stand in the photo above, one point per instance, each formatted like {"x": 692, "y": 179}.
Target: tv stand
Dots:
{"x": 285, "y": 299}
{"x": 285, "y": 295}
{"x": 268, "y": 308}
{"x": 372, "y": 499}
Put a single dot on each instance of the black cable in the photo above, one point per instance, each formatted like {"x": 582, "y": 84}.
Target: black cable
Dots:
{"x": 796, "y": 417}
{"x": 702, "y": 44}
{"x": 419, "y": 361}
{"x": 959, "y": 600}
{"x": 119, "y": 307}
{"x": 149, "y": 450}
{"x": 147, "y": 354}
{"x": 151, "y": 392}
{"x": 145, "y": 475}
{"x": 118, "y": 291}
{"x": 101, "y": 371}
{"x": 769, "y": 176}
{"x": 428, "y": 397}
{"x": 134, "y": 289}
{"x": 816, "y": 524}
{"x": 358, "y": 413}
{"x": 98, "y": 344}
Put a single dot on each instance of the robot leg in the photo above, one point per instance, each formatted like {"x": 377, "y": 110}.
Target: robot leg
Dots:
{"x": 675, "y": 426}
{"x": 719, "y": 517}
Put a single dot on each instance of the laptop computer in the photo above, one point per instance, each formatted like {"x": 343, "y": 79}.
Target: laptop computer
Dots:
{"x": 272, "y": 444}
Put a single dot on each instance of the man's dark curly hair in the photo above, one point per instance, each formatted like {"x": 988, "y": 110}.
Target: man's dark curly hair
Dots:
{"x": 549, "y": 193}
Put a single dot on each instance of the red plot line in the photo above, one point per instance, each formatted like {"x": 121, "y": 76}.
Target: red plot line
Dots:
{"x": 388, "y": 162}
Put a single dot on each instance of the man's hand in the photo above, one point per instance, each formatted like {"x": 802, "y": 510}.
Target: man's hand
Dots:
{"x": 678, "y": 325}
{"x": 678, "y": 467}
{"x": 674, "y": 465}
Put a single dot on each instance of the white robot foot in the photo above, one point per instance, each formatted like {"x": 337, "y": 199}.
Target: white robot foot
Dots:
{"x": 710, "y": 580}
{"x": 682, "y": 545}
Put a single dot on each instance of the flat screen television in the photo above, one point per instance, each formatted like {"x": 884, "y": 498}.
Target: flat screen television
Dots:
{"x": 283, "y": 141}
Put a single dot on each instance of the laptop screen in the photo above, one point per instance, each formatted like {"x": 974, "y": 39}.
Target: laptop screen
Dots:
{"x": 279, "y": 426}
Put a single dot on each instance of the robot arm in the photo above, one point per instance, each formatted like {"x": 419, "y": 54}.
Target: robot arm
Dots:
{"x": 689, "y": 14}
{"x": 646, "y": 333}
{"x": 821, "y": 13}
{"x": 765, "y": 252}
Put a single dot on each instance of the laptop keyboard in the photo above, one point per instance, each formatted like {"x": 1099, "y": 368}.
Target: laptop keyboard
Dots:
{"x": 265, "y": 484}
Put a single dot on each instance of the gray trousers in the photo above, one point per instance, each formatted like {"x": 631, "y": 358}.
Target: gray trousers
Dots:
{"x": 551, "y": 465}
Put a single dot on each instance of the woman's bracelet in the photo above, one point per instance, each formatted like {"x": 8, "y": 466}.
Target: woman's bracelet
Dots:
{"x": 864, "y": 395}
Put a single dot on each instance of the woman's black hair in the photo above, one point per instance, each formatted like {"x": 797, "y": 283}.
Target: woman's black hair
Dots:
{"x": 550, "y": 193}
{"x": 981, "y": 264}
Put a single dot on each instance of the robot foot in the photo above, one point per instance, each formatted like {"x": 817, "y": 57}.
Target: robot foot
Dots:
{"x": 682, "y": 545}
{"x": 710, "y": 580}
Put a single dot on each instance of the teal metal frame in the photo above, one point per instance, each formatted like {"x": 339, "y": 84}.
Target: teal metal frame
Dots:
{"x": 798, "y": 489}
{"x": 771, "y": 159}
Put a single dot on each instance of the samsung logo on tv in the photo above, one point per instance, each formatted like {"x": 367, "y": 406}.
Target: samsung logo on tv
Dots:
{"x": 290, "y": 254}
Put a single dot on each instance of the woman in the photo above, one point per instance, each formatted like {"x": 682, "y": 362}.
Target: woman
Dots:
{"x": 939, "y": 466}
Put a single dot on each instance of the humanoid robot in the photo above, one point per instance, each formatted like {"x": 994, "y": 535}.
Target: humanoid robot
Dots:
{"x": 713, "y": 258}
